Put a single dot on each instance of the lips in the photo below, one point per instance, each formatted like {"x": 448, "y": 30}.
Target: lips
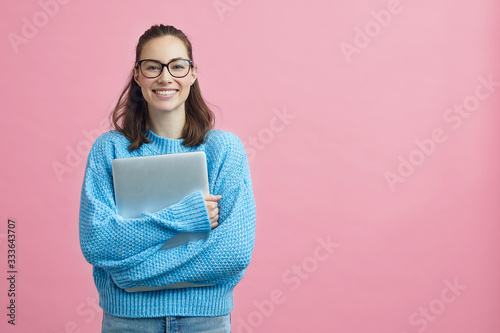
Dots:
{"x": 165, "y": 92}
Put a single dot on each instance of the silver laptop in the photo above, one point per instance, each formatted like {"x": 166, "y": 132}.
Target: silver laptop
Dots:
{"x": 151, "y": 183}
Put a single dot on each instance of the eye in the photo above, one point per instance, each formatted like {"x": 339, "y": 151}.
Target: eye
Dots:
{"x": 151, "y": 66}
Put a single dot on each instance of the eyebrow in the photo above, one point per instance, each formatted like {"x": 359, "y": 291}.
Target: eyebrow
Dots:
{"x": 175, "y": 59}
{"x": 178, "y": 58}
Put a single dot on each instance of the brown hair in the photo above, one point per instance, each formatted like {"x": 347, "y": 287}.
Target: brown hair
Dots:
{"x": 130, "y": 115}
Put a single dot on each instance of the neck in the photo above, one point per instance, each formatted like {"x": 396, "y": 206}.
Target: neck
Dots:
{"x": 168, "y": 124}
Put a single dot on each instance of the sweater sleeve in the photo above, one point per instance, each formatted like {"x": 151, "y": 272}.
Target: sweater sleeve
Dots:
{"x": 109, "y": 241}
{"x": 227, "y": 250}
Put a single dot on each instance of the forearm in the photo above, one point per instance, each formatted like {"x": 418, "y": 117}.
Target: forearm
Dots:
{"x": 111, "y": 242}
{"x": 218, "y": 258}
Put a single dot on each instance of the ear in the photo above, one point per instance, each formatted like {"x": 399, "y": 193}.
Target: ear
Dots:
{"x": 194, "y": 74}
{"x": 136, "y": 76}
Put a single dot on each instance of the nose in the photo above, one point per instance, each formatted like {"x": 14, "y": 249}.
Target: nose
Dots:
{"x": 165, "y": 75}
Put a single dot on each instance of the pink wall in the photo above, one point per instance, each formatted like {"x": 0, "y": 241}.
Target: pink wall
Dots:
{"x": 372, "y": 132}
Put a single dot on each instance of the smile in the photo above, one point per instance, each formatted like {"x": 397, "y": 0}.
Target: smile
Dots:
{"x": 165, "y": 92}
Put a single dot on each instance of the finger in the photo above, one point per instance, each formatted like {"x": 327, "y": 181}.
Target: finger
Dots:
{"x": 214, "y": 218}
{"x": 211, "y": 200}
{"x": 212, "y": 197}
{"x": 212, "y": 213}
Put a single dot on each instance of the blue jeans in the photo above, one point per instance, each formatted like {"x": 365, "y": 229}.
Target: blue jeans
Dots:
{"x": 112, "y": 324}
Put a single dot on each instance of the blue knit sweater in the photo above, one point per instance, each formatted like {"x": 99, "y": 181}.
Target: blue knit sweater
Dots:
{"x": 125, "y": 252}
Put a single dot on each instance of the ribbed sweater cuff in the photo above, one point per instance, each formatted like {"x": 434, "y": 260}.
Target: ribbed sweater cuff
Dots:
{"x": 191, "y": 212}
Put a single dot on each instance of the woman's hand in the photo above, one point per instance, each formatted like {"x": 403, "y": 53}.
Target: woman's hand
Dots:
{"x": 212, "y": 208}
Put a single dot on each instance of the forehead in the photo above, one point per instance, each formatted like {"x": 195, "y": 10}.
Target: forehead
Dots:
{"x": 164, "y": 49}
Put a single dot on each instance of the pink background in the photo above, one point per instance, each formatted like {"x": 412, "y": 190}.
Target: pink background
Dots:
{"x": 323, "y": 129}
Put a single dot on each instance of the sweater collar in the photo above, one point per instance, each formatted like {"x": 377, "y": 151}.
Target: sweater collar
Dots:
{"x": 165, "y": 145}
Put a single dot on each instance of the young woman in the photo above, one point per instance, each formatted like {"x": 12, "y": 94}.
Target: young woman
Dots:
{"x": 161, "y": 111}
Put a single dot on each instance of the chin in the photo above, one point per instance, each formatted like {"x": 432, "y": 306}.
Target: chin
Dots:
{"x": 167, "y": 108}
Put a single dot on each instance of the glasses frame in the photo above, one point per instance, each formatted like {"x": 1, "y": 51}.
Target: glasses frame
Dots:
{"x": 164, "y": 65}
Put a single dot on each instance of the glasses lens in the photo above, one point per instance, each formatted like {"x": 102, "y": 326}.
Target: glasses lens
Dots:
{"x": 151, "y": 68}
{"x": 179, "y": 68}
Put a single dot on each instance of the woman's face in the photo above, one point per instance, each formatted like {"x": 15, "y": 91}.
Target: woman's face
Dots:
{"x": 165, "y": 93}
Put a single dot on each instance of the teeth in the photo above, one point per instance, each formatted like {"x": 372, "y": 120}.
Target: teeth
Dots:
{"x": 165, "y": 92}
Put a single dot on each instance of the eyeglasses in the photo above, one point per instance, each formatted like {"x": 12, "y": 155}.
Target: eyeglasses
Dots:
{"x": 178, "y": 68}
